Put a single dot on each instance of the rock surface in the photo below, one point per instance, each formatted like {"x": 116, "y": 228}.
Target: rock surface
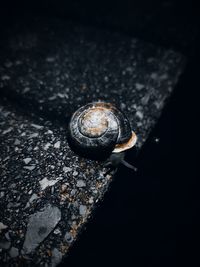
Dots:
{"x": 48, "y": 69}
{"x": 39, "y": 226}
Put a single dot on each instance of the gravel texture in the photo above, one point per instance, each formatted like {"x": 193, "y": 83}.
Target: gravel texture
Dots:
{"x": 49, "y": 68}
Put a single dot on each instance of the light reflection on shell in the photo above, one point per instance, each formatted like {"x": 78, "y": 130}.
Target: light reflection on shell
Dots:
{"x": 99, "y": 128}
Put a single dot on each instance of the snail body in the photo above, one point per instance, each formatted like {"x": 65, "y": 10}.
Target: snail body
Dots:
{"x": 99, "y": 129}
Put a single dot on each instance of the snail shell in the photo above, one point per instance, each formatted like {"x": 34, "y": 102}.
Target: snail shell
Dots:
{"x": 98, "y": 129}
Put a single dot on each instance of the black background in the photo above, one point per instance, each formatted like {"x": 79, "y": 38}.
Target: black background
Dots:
{"x": 148, "y": 218}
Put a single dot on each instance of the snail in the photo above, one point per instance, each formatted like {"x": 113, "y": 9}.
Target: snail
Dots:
{"x": 99, "y": 130}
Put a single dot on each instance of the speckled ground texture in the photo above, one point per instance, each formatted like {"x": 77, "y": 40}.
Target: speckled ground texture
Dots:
{"x": 47, "y": 70}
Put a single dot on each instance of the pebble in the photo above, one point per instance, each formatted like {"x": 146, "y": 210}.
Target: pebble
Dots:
{"x": 4, "y": 244}
{"x": 73, "y": 192}
{"x": 139, "y": 114}
{"x": 67, "y": 169}
{"x": 122, "y": 106}
{"x": 49, "y": 132}
{"x": 33, "y": 197}
{"x": 7, "y": 130}
{"x": 91, "y": 200}
{"x": 2, "y": 226}
{"x": 68, "y": 237}
{"x": 56, "y": 257}
{"x": 75, "y": 173}
{"x": 7, "y": 235}
{"x": 44, "y": 183}
{"x": 57, "y": 144}
{"x": 82, "y": 210}
{"x": 14, "y": 252}
{"x": 145, "y": 99}
{"x": 37, "y": 126}
{"x": 139, "y": 86}
{"x": 30, "y": 168}
{"x": 5, "y": 77}
{"x": 50, "y": 59}
{"x": 47, "y": 145}
{"x": 39, "y": 227}
{"x": 80, "y": 183}
{"x": 17, "y": 142}
{"x": 57, "y": 232}
{"x": 33, "y": 135}
{"x": 2, "y": 194}
{"x": 26, "y": 90}
{"x": 27, "y": 160}
{"x": 154, "y": 76}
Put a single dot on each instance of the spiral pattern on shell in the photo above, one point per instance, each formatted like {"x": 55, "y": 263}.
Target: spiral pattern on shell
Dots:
{"x": 97, "y": 128}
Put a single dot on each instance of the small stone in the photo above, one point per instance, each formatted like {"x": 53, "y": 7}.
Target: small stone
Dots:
{"x": 139, "y": 114}
{"x": 5, "y": 77}
{"x": 122, "y": 106}
{"x": 44, "y": 183}
{"x": 14, "y": 252}
{"x": 26, "y": 90}
{"x": 47, "y": 145}
{"x": 27, "y": 160}
{"x": 158, "y": 104}
{"x": 37, "y": 126}
{"x": 5, "y": 244}
{"x": 139, "y": 86}
{"x": 50, "y": 59}
{"x": 61, "y": 95}
{"x": 7, "y": 130}
{"x": 68, "y": 237}
{"x": 7, "y": 235}
{"x": 57, "y": 144}
{"x": 49, "y": 132}
{"x": 18, "y": 62}
{"x": 52, "y": 97}
{"x": 40, "y": 226}
{"x": 2, "y": 194}
{"x": 80, "y": 183}
{"x": 154, "y": 76}
{"x": 67, "y": 169}
{"x": 145, "y": 99}
{"x": 57, "y": 232}
{"x": 2, "y": 226}
{"x": 56, "y": 257}
{"x": 12, "y": 185}
{"x": 33, "y": 197}
{"x": 52, "y": 190}
{"x": 82, "y": 210}
{"x": 164, "y": 76}
{"x": 33, "y": 135}
{"x": 75, "y": 173}
{"x": 63, "y": 188}
{"x": 73, "y": 192}
{"x": 106, "y": 78}
{"x": 91, "y": 200}
{"x": 17, "y": 142}
{"x": 30, "y": 168}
